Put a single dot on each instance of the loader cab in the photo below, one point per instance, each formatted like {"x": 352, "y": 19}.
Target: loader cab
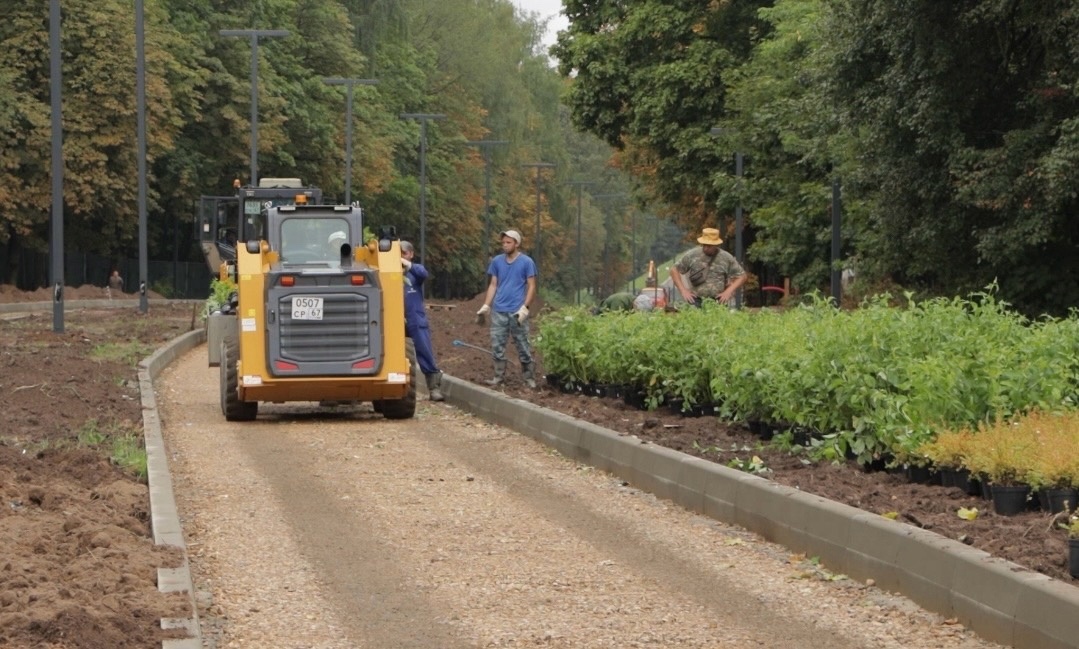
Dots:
{"x": 318, "y": 240}
{"x": 271, "y": 192}
{"x": 314, "y": 235}
{"x": 225, "y": 221}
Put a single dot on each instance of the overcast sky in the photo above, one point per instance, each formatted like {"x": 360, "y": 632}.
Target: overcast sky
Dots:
{"x": 546, "y": 9}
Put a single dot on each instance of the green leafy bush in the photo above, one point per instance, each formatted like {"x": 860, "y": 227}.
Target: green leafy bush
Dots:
{"x": 220, "y": 291}
{"x": 875, "y": 382}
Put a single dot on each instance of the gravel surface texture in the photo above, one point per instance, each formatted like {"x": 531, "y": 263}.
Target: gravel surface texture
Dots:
{"x": 336, "y": 528}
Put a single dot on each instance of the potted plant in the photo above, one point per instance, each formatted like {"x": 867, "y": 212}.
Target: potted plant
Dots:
{"x": 918, "y": 467}
{"x": 1072, "y": 526}
{"x": 1004, "y": 455}
{"x": 217, "y": 316}
{"x": 1054, "y": 465}
{"x": 949, "y": 452}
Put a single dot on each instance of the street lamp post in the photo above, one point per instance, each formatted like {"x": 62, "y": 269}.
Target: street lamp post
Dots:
{"x": 580, "y": 186}
{"x": 837, "y": 217}
{"x": 140, "y": 110}
{"x": 56, "y": 236}
{"x": 423, "y": 119}
{"x": 254, "y": 35}
{"x": 485, "y": 147}
{"x": 349, "y": 84}
{"x": 739, "y": 253}
{"x": 538, "y": 166}
{"x": 606, "y": 265}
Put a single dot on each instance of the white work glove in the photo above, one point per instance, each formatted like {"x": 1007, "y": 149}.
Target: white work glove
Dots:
{"x": 406, "y": 264}
{"x": 483, "y": 310}
{"x": 522, "y": 313}
{"x": 481, "y": 315}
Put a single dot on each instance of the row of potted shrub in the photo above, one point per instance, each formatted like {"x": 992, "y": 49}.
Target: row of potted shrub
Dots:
{"x": 875, "y": 382}
{"x": 1033, "y": 452}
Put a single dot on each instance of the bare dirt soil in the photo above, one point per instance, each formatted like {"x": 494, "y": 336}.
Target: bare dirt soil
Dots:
{"x": 78, "y": 565}
{"x": 77, "y": 560}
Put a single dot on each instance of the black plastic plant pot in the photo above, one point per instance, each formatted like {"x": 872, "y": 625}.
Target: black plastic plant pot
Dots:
{"x": 919, "y": 474}
{"x": 801, "y": 436}
{"x": 703, "y": 410}
{"x": 961, "y": 480}
{"x": 1073, "y": 558}
{"x": 594, "y": 389}
{"x": 1009, "y": 500}
{"x": 1060, "y": 499}
{"x": 635, "y": 398}
{"x": 615, "y": 391}
{"x": 873, "y": 466}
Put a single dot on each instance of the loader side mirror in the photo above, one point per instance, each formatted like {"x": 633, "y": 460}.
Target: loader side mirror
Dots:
{"x": 386, "y": 236}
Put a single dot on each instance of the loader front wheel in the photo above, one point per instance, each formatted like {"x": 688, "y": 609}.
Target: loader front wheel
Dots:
{"x": 231, "y": 406}
{"x": 402, "y": 408}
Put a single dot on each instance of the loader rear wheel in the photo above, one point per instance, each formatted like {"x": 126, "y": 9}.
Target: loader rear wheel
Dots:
{"x": 402, "y": 408}
{"x": 231, "y": 406}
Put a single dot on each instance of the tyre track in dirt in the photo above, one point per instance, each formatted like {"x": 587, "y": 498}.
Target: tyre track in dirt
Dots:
{"x": 315, "y": 529}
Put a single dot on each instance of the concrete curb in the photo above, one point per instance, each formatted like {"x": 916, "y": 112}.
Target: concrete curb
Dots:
{"x": 165, "y": 518}
{"x": 999, "y": 600}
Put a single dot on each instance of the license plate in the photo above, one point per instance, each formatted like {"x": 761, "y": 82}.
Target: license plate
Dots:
{"x": 306, "y": 308}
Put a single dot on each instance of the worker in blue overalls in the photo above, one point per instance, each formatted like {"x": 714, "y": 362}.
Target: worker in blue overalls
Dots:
{"x": 416, "y": 326}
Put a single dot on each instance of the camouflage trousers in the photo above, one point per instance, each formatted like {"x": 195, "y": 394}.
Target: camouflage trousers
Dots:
{"x": 503, "y": 326}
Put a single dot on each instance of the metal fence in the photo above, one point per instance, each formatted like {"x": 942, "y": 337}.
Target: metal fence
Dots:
{"x": 171, "y": 279}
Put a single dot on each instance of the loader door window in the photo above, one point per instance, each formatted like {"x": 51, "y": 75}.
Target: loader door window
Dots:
{"x": 253, "y": 220}
{"x": 313, "y": 241}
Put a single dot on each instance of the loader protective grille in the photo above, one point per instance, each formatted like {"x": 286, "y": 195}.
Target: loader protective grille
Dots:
{"x": 332, "y": 342}
{"x": 343, "y": 333}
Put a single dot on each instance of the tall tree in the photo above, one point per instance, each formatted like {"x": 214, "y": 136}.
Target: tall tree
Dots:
{"x": 100, "y": 176}
{"x": 650, "y": 78}
{"x": 967, "y": 116}
{"x": 785, "y": 125}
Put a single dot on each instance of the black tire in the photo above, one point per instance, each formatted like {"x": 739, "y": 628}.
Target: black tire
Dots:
{"x": 404, "y": 408}
{"x": 231, "y": 406}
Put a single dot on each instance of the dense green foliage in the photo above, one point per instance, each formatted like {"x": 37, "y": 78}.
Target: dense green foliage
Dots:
{"x": 475, "y": 61}
{"x": 874, "y": 382}
{"x": 953, "y": 127}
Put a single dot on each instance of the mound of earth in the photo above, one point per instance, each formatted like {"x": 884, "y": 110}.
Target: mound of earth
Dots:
{"x": 78, "y": 564}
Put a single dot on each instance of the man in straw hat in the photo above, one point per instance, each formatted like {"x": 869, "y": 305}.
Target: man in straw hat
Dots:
{"x": 708, "y": 272}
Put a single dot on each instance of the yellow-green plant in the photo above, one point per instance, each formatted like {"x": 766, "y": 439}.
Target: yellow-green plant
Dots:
{"x": 1005, "y": 451}
{"x": 1056, "y": 462}
{"x": 1071, "y": 526}
{"x": 220, "y": 290}
{"x": 950, "y": 448}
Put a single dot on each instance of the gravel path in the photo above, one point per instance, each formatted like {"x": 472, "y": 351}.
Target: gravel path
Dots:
{"x": 308, "y": 528}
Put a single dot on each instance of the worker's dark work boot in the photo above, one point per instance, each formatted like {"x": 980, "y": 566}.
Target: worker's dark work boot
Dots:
{"x": 434, "y": 386}
{"x": 529, "y": 371}
{"x": 500, "y": 374}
